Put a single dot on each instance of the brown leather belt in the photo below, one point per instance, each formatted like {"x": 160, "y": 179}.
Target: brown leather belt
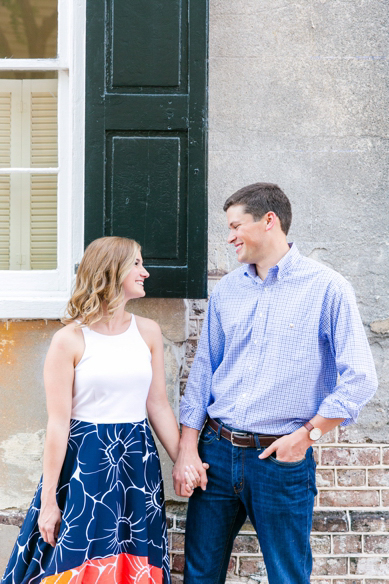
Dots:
{"x": 243, "y": 439}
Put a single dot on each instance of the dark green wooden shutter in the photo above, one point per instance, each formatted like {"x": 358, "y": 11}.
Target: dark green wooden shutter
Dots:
{"x": 146, "y": 112}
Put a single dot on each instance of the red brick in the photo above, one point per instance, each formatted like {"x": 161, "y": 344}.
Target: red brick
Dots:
{"x": 385, "y": 458}
{"x": 378, "y": 477}
{"x": 376, "y": 581}
{"x": 177, "y": 578}
{"x": 231, "y": 566}
{"x": 246, "y": 544}
{"x": 342, "y": 581}
{"x": 377, "y": 544}
{"x": 372, "y": 566}
{"x": 385, "y": 498}
{"x": 349, "y": 498}
{"x": 329, "y": 566}
{"x": 250, "y": 566}
{"x": 347, "y": 544}
{"x": 369, "y": 521}
{"x": 350, "y": 456}
{"x": 177, "y": 542}
{"x": 329, "y": 521}
{"x": 325, "y": 477}
{"x": 178, "y": 563}
{"x": 321, "y": 544}
{"x": 190, "y": 349}
{"x": 351, "y": 478}
{"x": 181, "y": 522}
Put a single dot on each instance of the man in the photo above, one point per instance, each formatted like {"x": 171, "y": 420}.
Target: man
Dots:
{"x": 283, "y": 359}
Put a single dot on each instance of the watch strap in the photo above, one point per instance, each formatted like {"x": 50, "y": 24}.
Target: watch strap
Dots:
{"x": 308, "y": 426}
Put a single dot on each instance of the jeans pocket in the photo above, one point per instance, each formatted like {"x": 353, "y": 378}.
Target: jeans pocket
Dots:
{"x": 286, "y": 464}
{"x": 208, "y": 435}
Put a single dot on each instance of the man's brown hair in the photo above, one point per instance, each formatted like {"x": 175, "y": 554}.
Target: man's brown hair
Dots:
{"x": 260, "y": 198}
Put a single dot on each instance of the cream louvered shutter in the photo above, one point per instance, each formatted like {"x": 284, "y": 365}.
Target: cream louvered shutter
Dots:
{"x": 5, "y": 161}
{"x": 43, "y": 188}
{"x": 28, "y": 201}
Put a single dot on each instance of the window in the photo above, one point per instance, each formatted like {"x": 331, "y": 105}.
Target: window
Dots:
{"x": 28, "y": 199}
{"x": 41, "y": 154}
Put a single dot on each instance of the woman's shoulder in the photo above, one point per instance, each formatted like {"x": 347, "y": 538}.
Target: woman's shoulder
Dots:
{"x": 147, "y": 325}
{"x": 67, "y": 336}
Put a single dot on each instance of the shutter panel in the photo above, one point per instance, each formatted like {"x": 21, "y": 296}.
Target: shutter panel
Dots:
{"x": 43, "y": 188}
{"x": 146, "y": 106}
{"x": 5, "y": 162}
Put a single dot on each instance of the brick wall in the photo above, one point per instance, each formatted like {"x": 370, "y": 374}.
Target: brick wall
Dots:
{"x": 350, "y": 537}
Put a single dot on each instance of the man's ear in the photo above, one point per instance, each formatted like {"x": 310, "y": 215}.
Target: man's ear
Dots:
{"x": 270, "y": 219}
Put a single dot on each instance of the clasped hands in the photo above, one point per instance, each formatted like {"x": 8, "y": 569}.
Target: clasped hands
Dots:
{"x": 189, "y": 472}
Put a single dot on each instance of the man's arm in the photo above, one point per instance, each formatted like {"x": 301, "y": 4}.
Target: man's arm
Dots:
{"x": 342, "y": 326}
{"x": 193, "y": 408}
{"x": 357, "y": 378}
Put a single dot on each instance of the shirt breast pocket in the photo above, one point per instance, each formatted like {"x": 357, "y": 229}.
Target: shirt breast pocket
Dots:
{"x": 293, "y": 342}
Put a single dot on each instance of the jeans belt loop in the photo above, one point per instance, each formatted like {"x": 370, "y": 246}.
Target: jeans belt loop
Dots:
{"x": 219, "y": 431}
{"x": 257, "y": 442}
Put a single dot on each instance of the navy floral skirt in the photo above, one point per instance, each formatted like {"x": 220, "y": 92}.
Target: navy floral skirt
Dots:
{"x": 113, "y": 526}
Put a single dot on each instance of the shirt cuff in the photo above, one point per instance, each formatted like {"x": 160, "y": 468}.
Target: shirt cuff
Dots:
{"x": 335, "y": 409}
{"x": 192, "y": 417}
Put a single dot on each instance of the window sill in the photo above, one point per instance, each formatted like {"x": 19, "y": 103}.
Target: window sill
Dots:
{"x": 31, "y": 307}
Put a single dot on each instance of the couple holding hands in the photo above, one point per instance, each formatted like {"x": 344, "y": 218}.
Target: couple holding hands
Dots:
{"x": 283, "y": 358}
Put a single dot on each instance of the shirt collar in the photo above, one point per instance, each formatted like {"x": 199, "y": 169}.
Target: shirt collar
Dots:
{"x": 281, "y": 268}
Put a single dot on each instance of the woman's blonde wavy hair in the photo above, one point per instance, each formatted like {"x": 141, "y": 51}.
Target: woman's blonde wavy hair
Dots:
{"x": 100, "y": 275}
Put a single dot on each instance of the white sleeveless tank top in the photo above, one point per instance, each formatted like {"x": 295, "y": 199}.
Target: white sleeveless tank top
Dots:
{"x": 112, "y": 380}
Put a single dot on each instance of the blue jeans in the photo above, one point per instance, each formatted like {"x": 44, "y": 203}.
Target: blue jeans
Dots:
{"x": 278, "y": 498}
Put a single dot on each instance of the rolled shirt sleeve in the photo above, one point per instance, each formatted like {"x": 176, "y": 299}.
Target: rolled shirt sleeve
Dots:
{"x": 357, "y": 379}
{"x": 209, "y": 355}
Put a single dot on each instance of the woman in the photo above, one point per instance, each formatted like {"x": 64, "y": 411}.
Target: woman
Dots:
{"x": 98, "y": 514}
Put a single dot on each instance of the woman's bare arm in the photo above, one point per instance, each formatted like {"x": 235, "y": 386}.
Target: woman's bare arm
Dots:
{"x": 65, "y": 350}
{"x": 159, "y": 411}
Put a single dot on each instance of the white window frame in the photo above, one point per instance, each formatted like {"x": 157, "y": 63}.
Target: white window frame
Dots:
{"x": 44, "y": 293}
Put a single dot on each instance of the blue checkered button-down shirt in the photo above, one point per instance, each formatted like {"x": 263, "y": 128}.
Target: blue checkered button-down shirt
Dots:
{"x": 271, "y": 351}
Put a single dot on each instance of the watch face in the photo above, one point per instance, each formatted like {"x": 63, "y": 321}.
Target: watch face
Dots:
{"x": 315, "y": 434}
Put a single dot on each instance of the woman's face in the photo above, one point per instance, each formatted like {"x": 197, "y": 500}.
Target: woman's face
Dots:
{"x": 134, "y": 281}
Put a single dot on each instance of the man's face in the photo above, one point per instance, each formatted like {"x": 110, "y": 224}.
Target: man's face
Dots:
{"x": 245, "y": 234}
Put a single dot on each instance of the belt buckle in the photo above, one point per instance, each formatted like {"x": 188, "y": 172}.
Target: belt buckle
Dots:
{"x": 241, "y": 434}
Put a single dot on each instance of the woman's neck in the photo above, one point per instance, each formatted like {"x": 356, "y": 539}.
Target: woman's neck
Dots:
{"x": 115, "y": 324}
